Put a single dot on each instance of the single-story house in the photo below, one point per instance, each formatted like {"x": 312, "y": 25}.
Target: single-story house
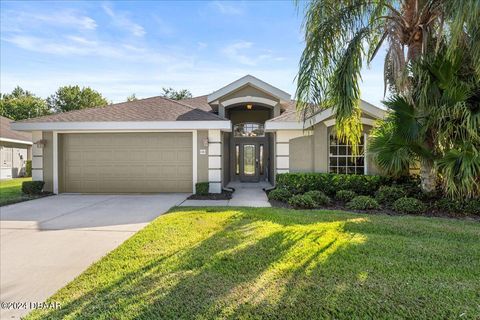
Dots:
{"x": 246, "y": 131}
{"x": 15, "y": 150}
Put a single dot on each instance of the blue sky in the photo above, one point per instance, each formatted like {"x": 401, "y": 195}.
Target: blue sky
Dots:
{"x": 120, "y": 48}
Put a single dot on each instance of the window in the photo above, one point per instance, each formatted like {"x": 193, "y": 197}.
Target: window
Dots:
{"x": 341, "y": 159}
{"x": 237, "y": 159}
{"x": 249, "y": 129}
{"x": 261, "y": 159}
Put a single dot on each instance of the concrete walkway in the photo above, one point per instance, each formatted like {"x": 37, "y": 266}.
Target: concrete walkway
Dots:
{"x": 246, "y": 195}
{"x": 46, "y": 243}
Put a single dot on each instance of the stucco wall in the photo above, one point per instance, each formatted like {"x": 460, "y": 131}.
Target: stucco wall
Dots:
{"x": 239, "y": 115}
{"x": 202, "y": 159}
{"x": 301, "y": 154}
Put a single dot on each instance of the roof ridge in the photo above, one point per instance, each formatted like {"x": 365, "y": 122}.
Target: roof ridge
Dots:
{"x": 193, "y": 108}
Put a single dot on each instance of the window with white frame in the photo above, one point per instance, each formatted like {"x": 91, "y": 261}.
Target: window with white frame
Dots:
{"x": 341, "y": 158}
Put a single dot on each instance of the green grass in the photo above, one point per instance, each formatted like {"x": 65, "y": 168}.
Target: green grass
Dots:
{"x": 11, "y": 191}
{"x": 265, "y": 263}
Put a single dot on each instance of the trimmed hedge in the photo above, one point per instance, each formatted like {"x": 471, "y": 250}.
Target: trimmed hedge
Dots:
{"x": 201, "y": 188}
{"x": 409, "y": 205}
{"x": 389, "y": 194}
{"x": 345, "y": 195}
{"x": 302, "y": 201}
{"x": 28, "y": 168}
{"x": 363, "y": 203}
{"x": 329, "y": 183}
{"x": 471, "y": 206}
{"x": 319, "y": 197}
{"x": 32, "y": 187}
{"x": 280, "y": 194}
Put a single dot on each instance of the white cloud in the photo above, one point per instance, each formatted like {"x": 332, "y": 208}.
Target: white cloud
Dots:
{"x": 236, "y": 52}
{"x": 121, "y": 20}
{"x": 17, "y": 21}
{"x": 227, "y": 8}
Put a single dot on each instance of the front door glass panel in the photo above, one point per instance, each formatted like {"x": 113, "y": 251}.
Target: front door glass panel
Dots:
{"x": 249, "y": 159}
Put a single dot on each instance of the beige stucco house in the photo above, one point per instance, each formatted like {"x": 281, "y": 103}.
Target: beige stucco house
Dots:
{"x": 15, "y": 150}
{"x": 246, "y": 131}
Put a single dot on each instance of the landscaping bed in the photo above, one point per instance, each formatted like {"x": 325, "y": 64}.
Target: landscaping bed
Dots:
{"x": 366, "y": 194}
{"x": 11, "y": 192}
{"x": 225, "y": 195}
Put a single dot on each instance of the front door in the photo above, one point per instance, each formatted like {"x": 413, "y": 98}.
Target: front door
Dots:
{"x": 250, "y": 160}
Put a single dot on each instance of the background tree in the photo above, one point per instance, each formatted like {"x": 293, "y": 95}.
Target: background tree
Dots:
{"x": 341, "y": 36}
{"x": 176, "y": 94}
{"x": 70, "y": 98}
{"x": 132, "y": 97}
{"x": 22, "y": 104}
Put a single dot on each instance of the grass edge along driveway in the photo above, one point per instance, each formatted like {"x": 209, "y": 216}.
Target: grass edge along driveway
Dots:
{"x": 204, "y": 263}
{"x": 11, "y": 191}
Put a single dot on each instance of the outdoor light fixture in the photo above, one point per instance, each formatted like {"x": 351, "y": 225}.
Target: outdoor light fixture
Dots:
{"x": 41, "y": 143}
{"x": 249, "y": 106}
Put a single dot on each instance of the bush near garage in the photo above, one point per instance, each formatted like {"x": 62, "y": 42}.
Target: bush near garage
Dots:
{"x": 201, "y": 188}
{"x": 32, "y": 187}
{"x": 389, "y": 194}
{"x": 363, "y": 203}
{"x": 409, "y": 205}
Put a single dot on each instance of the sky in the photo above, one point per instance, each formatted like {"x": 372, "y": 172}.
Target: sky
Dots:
{"x": 120, "y": 48}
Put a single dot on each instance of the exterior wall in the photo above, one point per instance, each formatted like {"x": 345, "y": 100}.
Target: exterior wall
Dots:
{"x": 226, "y": 168}
{"x": 37, "y": 157}
{"x": 246, "y": 92}
{"x": 48, "y": 161}
{"x": 301, "y": 154}
{"x": 320, "y": 151}
{"x": 202, "y": 156}
{"x": 237, "y": 115}
{"x": 215, "y": 161}
{"x": 282, "y": 148}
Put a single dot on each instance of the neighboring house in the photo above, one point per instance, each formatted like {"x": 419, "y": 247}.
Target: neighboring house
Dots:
{"x": 15, "y": 150}
{"x": 246, "y": 131}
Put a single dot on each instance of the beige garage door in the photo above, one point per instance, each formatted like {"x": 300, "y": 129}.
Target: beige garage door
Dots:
{"x": 126, "y": 162}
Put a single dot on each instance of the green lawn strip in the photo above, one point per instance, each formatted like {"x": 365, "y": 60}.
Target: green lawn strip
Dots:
{"x": 265, "y": 263}
{"x": 11, "y": 191}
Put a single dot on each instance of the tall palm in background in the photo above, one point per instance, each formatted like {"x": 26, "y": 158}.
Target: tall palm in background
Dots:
{"x": 340, "y": 36}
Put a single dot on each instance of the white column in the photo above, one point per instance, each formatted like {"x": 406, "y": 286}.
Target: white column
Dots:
{"x": 37, "y": 157}
{"x": 195, "y": 159}
{"x": 55, "y": 162}
{"x": 215, "y": 161}
{"x": 282, "y": 148}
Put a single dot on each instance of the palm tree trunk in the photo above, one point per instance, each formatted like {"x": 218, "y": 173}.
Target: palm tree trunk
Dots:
{"x": 428, "y": 176}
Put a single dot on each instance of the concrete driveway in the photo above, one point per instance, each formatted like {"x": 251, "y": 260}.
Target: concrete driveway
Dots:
{"x": 46, "y": 243}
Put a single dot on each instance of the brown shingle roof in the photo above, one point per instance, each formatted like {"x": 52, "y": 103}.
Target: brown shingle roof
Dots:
{"x": 7, "y": 133}
{"x": 200, "y": 102}
{"x": 150, "y": 109}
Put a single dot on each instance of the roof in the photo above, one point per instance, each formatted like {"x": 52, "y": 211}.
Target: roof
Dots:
{"x": 6, "y": 132}
{"x": 200, "y": 102}
{"x": 149, "y": 109}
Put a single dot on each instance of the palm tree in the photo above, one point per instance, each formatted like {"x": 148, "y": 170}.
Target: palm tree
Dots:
{"x": 340, "y": 36}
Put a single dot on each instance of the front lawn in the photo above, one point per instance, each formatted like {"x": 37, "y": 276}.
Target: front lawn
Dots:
{"x": 11, "y": 191}
{"x": 265, "y": 263}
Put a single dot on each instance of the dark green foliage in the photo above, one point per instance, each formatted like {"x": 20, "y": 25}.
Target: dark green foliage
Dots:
{"x": 409, "y": 205}
{"x": 319, "y": 197}
{"x": 28, "y": 168}
{"x": 459, "y": 207}
{"x": 302, "y": 201}
{"x": 363, "y": 203}
{"x": 280, "y": 194}
{"x": 32, "y": 187}
{"x": 388, "y": 195}
{"x": 22, "y": 104}
{"x": 329, "y": 183}
{"x": 201, "y": 188}
{"x": 70, "y": 98}
{"x": 345, "y": 195}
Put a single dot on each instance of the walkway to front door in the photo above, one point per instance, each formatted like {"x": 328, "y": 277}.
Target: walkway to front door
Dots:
{"x": 247, "y": 194}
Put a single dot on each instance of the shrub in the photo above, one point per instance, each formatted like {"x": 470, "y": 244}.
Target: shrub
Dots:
{"x": 473, "y": 207}
{"x": 363, "y": 203}
{"x": 409, "y": 205}
{"x": 32, "y": 187}
{"x": 28, "y": 168}
{"x": 319, "y": 197}
{"x": 302, "y": 201}
{"x": 389, "y": 194}
{"x": 449, "y": 205}
{"x": 345, "y": 195}
{"x": 329, "y": 183}
{"x": 201, "y": 188}
{"x": 279, "y": 194}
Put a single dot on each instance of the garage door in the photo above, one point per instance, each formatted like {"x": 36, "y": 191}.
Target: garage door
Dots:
{"x": 126, "y": 162}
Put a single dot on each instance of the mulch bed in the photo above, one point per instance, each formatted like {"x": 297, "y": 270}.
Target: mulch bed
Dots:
{"x": 26, "y": 198}
{"x": 336, "y": 205}
{"x": 225, "y": 195}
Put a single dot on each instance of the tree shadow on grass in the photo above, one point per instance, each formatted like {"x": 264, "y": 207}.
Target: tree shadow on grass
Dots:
{"x": 257, "y": 265}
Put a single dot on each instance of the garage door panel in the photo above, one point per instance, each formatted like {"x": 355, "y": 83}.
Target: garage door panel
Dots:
{"x": 127, "y": 162}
